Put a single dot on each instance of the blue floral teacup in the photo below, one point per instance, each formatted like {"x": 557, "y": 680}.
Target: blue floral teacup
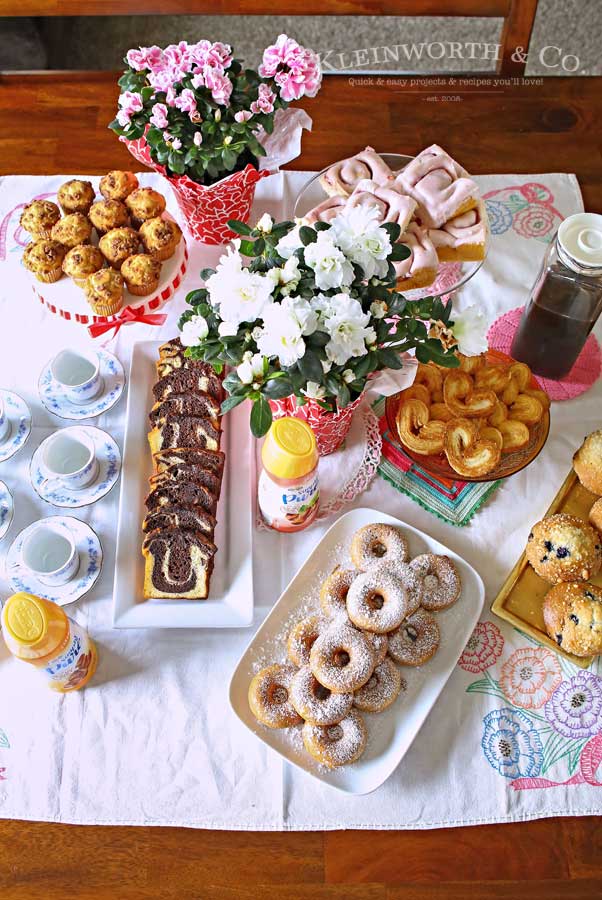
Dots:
{"x": 4, "y": 422}
{"x": 50, "y": 554}
{"x": 69, "y": 459}
{"x": 77, "y": 373}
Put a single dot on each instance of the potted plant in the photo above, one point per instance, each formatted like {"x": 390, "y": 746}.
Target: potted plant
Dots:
{"x": 313, "y": 315}
{"x": 193, "y": 113}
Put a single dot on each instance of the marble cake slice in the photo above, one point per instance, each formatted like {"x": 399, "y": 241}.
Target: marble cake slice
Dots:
{"x": 186, "y": 405}
{"x": 181, "y": 493}
{"x": 199, "y": 379}
{"x": 175, "y": 347}
{"x": 178, "y": 564}
{"x": 190, "y": 518}
{"x": 212, "y": 460}
{"x": 195, "y": 474}
{"x": 184, "y": 431}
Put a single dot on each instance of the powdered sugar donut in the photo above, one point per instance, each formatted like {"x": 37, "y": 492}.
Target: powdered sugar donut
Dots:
{"x": 377, "y": 600}
{"x": 413, "y": 581}
{"x": 342, "y": 659}
{"x": 416, "y": 640}
{"x": 441, "y": 582}
{"x": 381, "y": 689}
{"x": 302, "y": 637}
{"x": 269, "y": 697}
{"x": 379, "y": 643}
{"x": 333, "y": 593}
{"x": 378, "y": 543}
{"x": 336, "y": 745}
{"x": 315, "y": 703}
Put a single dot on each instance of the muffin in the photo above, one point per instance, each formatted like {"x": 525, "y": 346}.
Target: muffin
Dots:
{"x": 160, "y": 237}
{"x": 104, "y": 291}
{"x": 145, "y": 203}
{"x": 119, "y": 243}
{"x": 108, "y": 214}
{"x": 564, "y": 548}
{"x": 82, "y": 261}
{"x": 141, "y": 274}
{"x": 72, "y": 230}
{"x": 45, "y": 259}
{"x": 595, "y": 515}
{"x": 39, "y": 217}
{"x": 117, "y": 185}
{"x": 587, "y": 462}
{"x": 573, "y": 617}
{"x": 76, "y": 196}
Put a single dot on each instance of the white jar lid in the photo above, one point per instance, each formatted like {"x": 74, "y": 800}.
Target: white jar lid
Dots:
{"x": 581, "y": 237}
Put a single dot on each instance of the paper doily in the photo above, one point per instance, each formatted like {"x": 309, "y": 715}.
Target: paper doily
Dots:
{"x": 348, "y": 471}
{"x": 584, "y": 373}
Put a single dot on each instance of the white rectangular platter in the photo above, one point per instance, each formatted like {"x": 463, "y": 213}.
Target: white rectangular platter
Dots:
{"x": 390, "y": 733}
{"x": 230, "y": 602}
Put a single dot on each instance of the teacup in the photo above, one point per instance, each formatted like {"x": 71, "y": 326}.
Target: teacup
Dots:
{"x": 69, "y": 458}
{"x": 4, "y": 422}
{"x": 50, "y": 554}
{"x": 77, "y": 373}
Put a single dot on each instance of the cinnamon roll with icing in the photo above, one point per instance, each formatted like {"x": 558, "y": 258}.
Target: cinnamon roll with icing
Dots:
{"x": 439, "y": 185}
{"x": 392, "y": 206}
{"x": 342, "y": 177}
{"x": 419, "y": 269}
{"x": 463, "y": 238}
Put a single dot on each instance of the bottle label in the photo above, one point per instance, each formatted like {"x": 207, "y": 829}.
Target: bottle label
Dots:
{"x": 288, "y": 508}
{"x": 71, "y": 669}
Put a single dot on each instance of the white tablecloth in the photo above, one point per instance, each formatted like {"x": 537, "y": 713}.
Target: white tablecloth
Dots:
{"x": 153, "y": 741}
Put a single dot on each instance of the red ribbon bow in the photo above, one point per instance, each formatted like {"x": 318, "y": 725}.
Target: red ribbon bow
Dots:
{"x": 127, "y": 317}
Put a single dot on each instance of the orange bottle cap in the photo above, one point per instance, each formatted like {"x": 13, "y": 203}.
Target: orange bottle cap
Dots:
{"x": 25, "y": 619}
{"x": 289, "y": 450}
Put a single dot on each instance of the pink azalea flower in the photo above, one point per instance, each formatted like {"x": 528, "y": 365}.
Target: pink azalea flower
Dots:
{"x": 242, "y": 115}
{"x": 530, "y": 676}
{"x": 178, "y": 56}
{"x": 170, "y": 96}
{"x": 219, "y": 85}
{"x": 159, "y": 116}
{"x": 176, "y": 143}
{"x": 295, "y": 69}
{"x": 130, "y": 102}
{"x": 123, "y": 117}
{"x": 164, "y": 79}
{"x": 167, "y": 137}
{"x": 136, "y": 59}
{"x": 145, "y": 58}
{"x": 265, "y": 100}
{"x": 219, "y": 55}
{"x": 197, "y": 139}
{"x": 186, "y": 101}
{"x": 198, "y": 80}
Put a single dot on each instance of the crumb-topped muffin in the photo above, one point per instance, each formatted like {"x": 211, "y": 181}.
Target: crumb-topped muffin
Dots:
{"x": 108, "y": 214}
{"x": 119, "y": 243}
{"x": 82, "y": 261}
{"x": 117, "y": 185}
{"x": 45, "y": 259}
{"x": 564, "y": 548}
{"x": 76, "y": 196}
{"x": 160, "y": 237}
{"x": 587, "y": 462}
{"x": 72, "y": 230}
{"x": 39, "y": 217}
{"x": 141, "y": 274}
{"x": 145, "y": 203}
{"x": 573, "y": 617}
{"x": 104, "y": 291}
{"x": 595, "y": 515}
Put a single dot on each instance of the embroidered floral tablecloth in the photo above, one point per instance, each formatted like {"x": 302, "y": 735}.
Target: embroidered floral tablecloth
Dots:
{"x": 517, "y": 732}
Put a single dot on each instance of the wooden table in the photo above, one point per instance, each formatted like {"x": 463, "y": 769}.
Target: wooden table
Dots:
{"x": 57, "y": 123}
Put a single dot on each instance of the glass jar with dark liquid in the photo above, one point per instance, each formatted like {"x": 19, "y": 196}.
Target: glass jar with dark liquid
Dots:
{"x": 565, "y": 300}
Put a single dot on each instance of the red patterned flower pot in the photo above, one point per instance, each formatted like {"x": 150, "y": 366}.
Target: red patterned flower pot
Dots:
{"x": 330, "y": 429}
{"x": 207, "y": 209}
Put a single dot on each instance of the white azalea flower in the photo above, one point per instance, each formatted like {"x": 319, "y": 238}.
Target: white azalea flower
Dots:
{"x": 358, "y": 233}
{"x": 378, "y": 309}
{"x": 240, "y": 295}
{"x": 470, "y": 331}
{"x": 303, "y": 313}
{"x": 348, "y": 375}
{"x": 349, "y": 330}
{"x": 227, "y": 329}
{"x": 281, "y": 335}
{"x": 288, "y": 277}
{"x": 330, "y": 266}
{"x": 287, "y": 245}
{"x": 250, "y": 368}
{"x": 323, "y": 305}
{"x": 265, "y": 223}
{"x": 194, "y": 331}
{"x": 326, "y": 366}
{"x": 314, "y": 391}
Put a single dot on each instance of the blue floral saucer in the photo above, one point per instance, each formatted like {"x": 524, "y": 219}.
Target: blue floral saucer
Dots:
{"x": 19, "y": 417}
{"x": 55, "y": 401}
{"x": 90, "y": 563}
{"x": 6, "y": 509}
{"x": 109, "y": 467}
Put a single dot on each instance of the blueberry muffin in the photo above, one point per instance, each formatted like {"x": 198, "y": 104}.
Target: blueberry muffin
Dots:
{"x": 564, "y": 548}
{"x": 117, "y": 185}
{"x": 108, "y": 214}
{"x": 143, "y": 204}
{"x": 160, "y": 237}
{"x": 595, "y": 516}
{"x": 45, "y": 259}
{"x": 104, "y": 292}
{"x": 39, "y": 217}
{"x": 76, "y": 196}
{"x": 72, "y": 230}
{"x": 573, "y": 617}
{"x": 82, "y": 261}
{"x": 141, "y": 274}
{"x": 587, "y": 462}
{"x": 117, "y": 244}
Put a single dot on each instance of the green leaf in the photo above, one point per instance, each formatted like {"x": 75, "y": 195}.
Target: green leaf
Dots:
{"x": 206, "y": 274}
{"x": 261, "y": 417}
{"x": 232, "y": 383}
{"x": 276, "y": 388}
{"x": 175, "y": 161}
{"x": 318, "y": 339}
{"x": 197, "y": 296}
{"x": 232, "y": 401}
{"x": 307, "y": 235}
{"x": 343, "y": 395}
{"x": 247, "y": 248}
{"x": 390, "y": 359}
{"x": 399, "y": 252}
{"x": 238, "y": 227}
{"x": 310, "y": 366}
{"x": 229, "y": 158}
{"x": 393, "y": 230}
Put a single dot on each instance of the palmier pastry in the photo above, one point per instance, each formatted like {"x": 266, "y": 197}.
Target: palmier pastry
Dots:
{"x": 381, "y": 690}
{"x": 178, "y": 564}
{"x": 417, "y": 431}
{"x": 573, "y": 617}
{"x": 378, "y": 543}
{"x": 492, "y": 378}
{"x": 440, "y": 185}
{"x": 539, "y": 395}
{"x": 526, "y": 409}
{"x": 342, "y": 177}
{"x": 464, "y": 400}
{"x": 386, "y": 199}
{"x": 499, "y": 414}
{"x": 462, "y": 238}
{"x": 419, "y": 269}
{"x": 440, "y": 413}
{"x": 470, "y": 364}
{"x": 336, "y": 745}
{"x": 489, "y": 433}
{"x": 341, "y": 658}
{"x": 587, "y": 462}
{"x": 564, "y": 548}
{"x": 515, "y": 435}
{"x": 467, "y": 454}
{"x": 415, "y": 392}
{"x": 432, "y": 378}
{"x": 315, "y": 703}
{"x": 269, "y": 697}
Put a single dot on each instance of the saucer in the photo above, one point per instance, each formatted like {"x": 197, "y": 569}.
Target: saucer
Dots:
{"x": 90, "y": 563}
{"x": 18, "y": 414}
{"x": 109, "y": 466}
{"x": 57, "y": 402}
{"x": 6, "y": 509}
